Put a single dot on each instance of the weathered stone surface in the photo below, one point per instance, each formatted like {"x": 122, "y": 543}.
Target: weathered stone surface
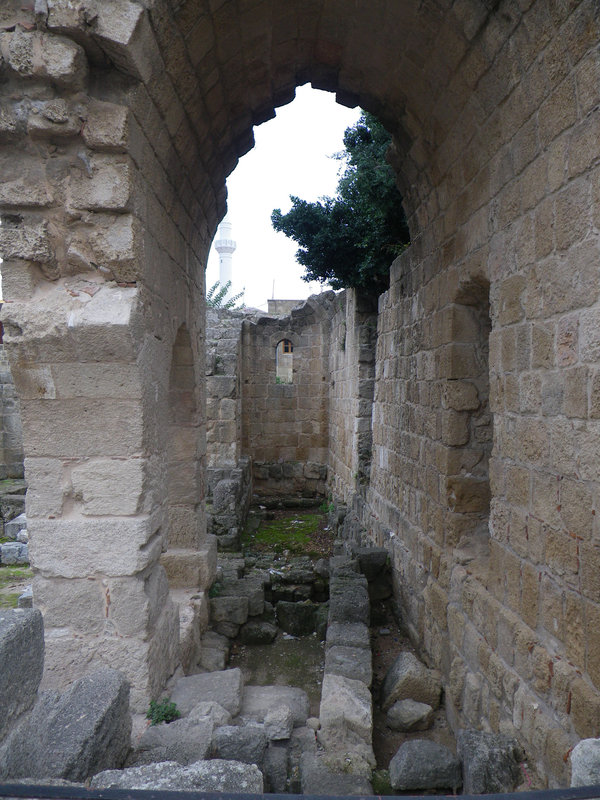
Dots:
{"x": 13, "y": 553}
{"x": 73, "y": 735}
{"x": 372, "y": 561}
{"x": 229, "y": 609}
{"x": 409, "y": 715}
{"x": 214, "y": 651}
{"x": 259, "y": 701}
{"x": 21, "y": 662}
{"x": 350, "y": 634}
{"x": 421, "y": 764}
{"x": 490, "y": 762}
{"x": 250, "y": 588}
{"x": 409, "y": 679}
{"x": 275, "y": 767}
{"x": 224, "y": 688}
{"x": 204, "y": 776}
{"x": 349, "y": 600}
{"x": 184, "y": 741}
{"x": 345, "y": 706}
{"x": 257, "y": 632}
{"x": 351, "y": 662}
{"x": 317, "y": 779}
{"x": 296, "y": 618}
{"x": 279, "y": 723}
{"x": 212, "y": 711}
{"x": 246, "y": 744}
{"x": 14, "y": 526}
{"x": 585, "y": 763}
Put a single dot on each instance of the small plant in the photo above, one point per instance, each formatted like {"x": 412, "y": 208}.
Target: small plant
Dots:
{"x": 215, "y": 590}
{"x": 163, "y": 711}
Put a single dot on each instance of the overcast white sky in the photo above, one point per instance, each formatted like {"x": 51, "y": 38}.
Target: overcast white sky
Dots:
{"x": 292, "y": 155}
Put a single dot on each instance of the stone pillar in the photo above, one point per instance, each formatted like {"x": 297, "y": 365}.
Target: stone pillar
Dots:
{"x": 86, "y": 374}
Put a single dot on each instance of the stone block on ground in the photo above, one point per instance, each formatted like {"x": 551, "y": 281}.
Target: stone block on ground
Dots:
{"x": 247, "y": 744}
{"x": 351, "y": 662}
{"x": 409, "y": 679}
{"x": 302, "y": 741}
{"x": 21, "y": 662}
{"x": 317, "y": 779}
{"x": 372, "y": 561}
{"x": 214, "y": 651}
{"x": 491, "y": 762}
{"x": 279, "y": 723}
{"x": 215, "y": 775}
{"x": 257, "y": 631}
{"x": 410, "y": 715}
{"x": 349, "y": 600}
{"x": 223, "y": 687}
{"x": 296, "y": 618}
{"x": 14, "y": 554}
{"x": 346, "y": 717}
{"x": 14, "y": 526}
{"x": 350, "y": 634}
{"x": 211, "y": 711}
{"x": 420, "y": 765}
{"x": 250, "y": 588}
{"x": 73, "y": 735}
{"x": 259, "y": 701}
{"x": 184, "y": 741}
{"x": 275, "y": 767}
{"x": 229, "y": 609}
{"x": 585, "y": 763}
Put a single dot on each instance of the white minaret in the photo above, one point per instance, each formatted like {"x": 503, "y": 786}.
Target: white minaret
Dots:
{"x": 225, "y": 247}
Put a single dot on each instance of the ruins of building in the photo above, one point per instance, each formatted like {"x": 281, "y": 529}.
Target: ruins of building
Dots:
{"x": 120, "y": 121}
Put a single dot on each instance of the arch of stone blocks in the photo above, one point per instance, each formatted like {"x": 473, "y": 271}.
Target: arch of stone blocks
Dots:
{"x": 120, "y": 121}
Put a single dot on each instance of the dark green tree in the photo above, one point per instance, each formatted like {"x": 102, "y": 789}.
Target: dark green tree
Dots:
{"x": 351, "y": 239}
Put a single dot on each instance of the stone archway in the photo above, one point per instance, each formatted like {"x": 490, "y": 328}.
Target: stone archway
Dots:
{"x": 120, "y": 122}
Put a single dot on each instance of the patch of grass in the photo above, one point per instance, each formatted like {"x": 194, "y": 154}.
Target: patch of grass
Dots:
{"x": 10, "y": 600}
{"x": 292, "y": 533}
{"x": 10, "y": 575}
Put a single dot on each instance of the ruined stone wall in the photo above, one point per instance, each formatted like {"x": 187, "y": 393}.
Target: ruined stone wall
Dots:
{"x": 352, "y": 373}
{"x": 11, "y": 430}
{"x": 508, "y": 607}
{"x": 102, "y": 269}
{"x": 285, "y": 425}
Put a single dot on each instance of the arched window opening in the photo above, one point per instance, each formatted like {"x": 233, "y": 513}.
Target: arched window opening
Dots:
{"x": 284, "y": 362}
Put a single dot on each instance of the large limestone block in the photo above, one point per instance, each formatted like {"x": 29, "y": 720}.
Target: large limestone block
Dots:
{"x": 224, "y": 688}
{"x": 183, "y": 741}
{"x": 317, "y": 779}
{"x": 105, "y": 185}
{"x": 351, "y": 662}
{"x": 409, "y": 679}
{"x": 34, "y": 54}
{"x": 121, "y": 546}
{"x": 73, "y": 735}
{"x": 421, "y": 764}
{"x": 215, "y": 775}
{"x": 247, "y": 744}
{"x": 491, "y": 763}
{"x": 189, "y": 569}
{"x": 350, "y": 634}
{"x": 258, "y": 702}
{"x": 585, "y": 763}
{"x": 345, "y": 707}
{"x": 109, "y": 486}
{"x": 21, "y": 662}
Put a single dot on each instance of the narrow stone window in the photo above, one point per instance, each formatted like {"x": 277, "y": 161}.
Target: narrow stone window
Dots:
{"x": 284, "y": 361}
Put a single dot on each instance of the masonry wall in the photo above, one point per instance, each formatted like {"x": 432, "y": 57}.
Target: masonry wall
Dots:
{"x": 285, "y": 425}
{"x": 11, "y": 430}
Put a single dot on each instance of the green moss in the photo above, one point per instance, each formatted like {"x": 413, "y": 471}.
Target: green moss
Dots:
{"x": 380, "y": 781}
{"x": 292, "y": 533}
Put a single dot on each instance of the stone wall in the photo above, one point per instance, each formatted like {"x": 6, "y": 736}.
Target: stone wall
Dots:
{"x": 11, "y": 430}
{"x": 285, "y": 425}
{"x": 120, "y": 122}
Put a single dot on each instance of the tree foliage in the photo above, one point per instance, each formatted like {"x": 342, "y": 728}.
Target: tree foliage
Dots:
{"x": 352, "y": 238}
{"x": 215, "y": 297}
